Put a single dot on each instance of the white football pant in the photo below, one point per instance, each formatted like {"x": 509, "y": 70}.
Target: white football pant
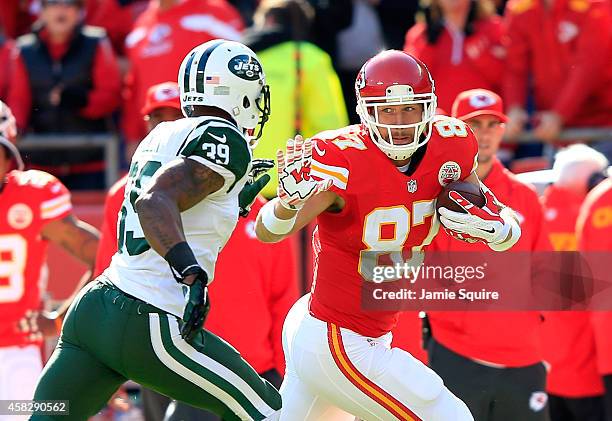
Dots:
{"x": 335, "y": 374}
{"x": 20, "y": 368}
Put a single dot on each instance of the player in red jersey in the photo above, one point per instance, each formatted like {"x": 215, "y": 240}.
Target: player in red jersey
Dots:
{"x": 372, "y": 188}
{"x": 35, "y": 208}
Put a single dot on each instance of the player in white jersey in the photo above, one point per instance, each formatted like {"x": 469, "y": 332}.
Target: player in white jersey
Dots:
{"x": 142, "y": 319}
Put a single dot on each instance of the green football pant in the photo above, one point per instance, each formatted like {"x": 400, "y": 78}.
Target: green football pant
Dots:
{"x": 109, "y": 337}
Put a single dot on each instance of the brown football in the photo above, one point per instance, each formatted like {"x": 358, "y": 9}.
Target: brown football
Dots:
{"x": 467, "y": 190}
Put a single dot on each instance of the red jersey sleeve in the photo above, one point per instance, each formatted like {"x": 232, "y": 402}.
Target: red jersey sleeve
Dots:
{"x": 108, "y": 235}
{"x": 457, "y": 142}
{"x": 55, "y": 200}
{"x": 328, "y": 163}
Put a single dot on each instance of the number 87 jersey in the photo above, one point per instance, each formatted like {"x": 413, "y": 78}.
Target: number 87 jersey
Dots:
{"x": 386, "y": 209}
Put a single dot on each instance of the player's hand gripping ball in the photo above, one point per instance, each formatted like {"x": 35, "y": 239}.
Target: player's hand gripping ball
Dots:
{"x": 471, "y": 213}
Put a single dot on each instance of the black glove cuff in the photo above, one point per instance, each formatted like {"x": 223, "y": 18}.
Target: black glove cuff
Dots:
{"x": 182, "y": 260}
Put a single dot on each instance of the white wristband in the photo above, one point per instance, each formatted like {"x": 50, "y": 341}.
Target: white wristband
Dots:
{"x": 273, "y": 223}
{"x": 515, "y": 229}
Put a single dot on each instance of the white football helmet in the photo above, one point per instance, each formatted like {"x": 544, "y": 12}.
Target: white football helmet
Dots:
{"x": 227, "y": 75}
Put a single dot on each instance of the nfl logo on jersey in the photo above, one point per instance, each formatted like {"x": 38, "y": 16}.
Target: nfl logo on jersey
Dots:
{"x": 412, "y": 186}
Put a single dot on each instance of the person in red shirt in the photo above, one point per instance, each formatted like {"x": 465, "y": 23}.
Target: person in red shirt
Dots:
{"x": 461, "y": 44}
{"x": 372, "y": 189}
{"x": 594, "y": 233}
{"x": 35, "y": 208}
{"x": 268, "y": 276}
{"x": 564, "y": 47}
{"x": 492, "y": 361}
{"x": 161, "y": 37}
{"x": 65, "y": 79}
{"x": 568, "y": 345}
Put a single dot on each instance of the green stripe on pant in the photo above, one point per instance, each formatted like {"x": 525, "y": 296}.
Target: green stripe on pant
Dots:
{"x": 109, "y": 337}
{"x": 210, "y": 375}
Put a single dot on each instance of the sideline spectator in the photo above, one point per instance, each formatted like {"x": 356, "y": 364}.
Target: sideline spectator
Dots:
{"x": 565, "y": 48}
{"x": 492, "y": 360}
{"x": 307, "y": 95}
{"x": 65, "y": 79}
{"x": 165, "y": 32}
{"x": 574, "y": 385}
{"x": 594, "y": 232}
{"x": 461, "y": 44}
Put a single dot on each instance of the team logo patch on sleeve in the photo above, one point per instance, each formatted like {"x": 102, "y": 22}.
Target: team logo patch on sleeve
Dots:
{"x": 19, "y": 216}
{"x": 449, "y": 171}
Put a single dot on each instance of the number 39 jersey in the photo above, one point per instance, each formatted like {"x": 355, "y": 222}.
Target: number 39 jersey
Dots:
{"x": 28, "y": 201}
{"x": 385, "y": 210}
{"x": 136, "y": 268}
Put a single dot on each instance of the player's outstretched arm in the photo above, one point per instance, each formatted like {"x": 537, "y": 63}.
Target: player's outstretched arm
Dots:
{"x": 80, "y": 240}
{"x": 75, "y": 236}
{"x": 300, "y": 197}
{"x": 176, "y": 187}
{"x": 494, "y": 224}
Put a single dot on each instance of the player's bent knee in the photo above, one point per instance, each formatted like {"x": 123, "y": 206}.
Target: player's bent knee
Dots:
{"x": 415, "y": 376}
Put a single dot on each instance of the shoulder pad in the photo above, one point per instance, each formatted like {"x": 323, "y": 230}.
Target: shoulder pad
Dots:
{"x": 221, "y": 146}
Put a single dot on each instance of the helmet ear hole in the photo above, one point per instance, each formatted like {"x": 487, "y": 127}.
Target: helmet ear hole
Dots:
{"x": 245, "y": 102}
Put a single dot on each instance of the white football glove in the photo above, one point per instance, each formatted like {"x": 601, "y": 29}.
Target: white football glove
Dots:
{"x": 490, "y": 224}
{"x": 295, "y": 185}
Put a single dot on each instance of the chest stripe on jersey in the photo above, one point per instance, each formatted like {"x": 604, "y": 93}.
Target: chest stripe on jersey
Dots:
{"x": 361, "y": 382}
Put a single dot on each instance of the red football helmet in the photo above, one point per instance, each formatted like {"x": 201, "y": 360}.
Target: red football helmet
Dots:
{"x": 395, "y": 78}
